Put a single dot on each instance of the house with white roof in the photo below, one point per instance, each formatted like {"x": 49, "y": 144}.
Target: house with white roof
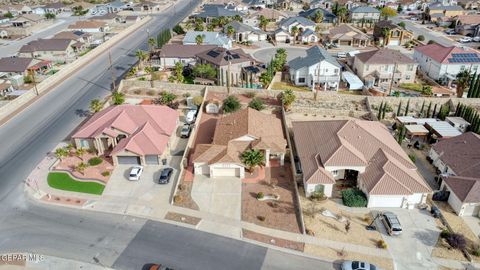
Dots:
{"x": 244, "y": 32}
{"x": 317, "y": 70}
{"x": 209, "y": 38}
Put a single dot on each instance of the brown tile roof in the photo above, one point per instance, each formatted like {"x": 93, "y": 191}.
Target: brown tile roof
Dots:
{"x": 461, "y": 154}
{"x": 15, "y": 64}
{"x": 266, "y": 130}
{"x": 468, "y": 19}
{"x": 466, "y": 189}
{"x": 270, "y": 14}
{"x": 46, "y": 45}
{"x": 220, "y": 56}
{"x": 347, "y": 32}
{"x": 384, "y": 56}
{"x": 367, "y": 144}
{"x": 183, "y": 51}
{"x": 87, "y": 25}
{"x": 72, "y": 35}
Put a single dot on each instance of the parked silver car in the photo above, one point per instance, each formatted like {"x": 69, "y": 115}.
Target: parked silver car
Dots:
{"x": 392, "y": 224}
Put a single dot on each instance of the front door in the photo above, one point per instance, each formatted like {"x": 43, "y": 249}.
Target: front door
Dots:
{"x": 351, "y": 175}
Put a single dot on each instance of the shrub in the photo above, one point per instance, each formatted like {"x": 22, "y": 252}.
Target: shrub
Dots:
{"x": 445, "y": 233}
{"x": 94, "y": 161}
{"x": 411, "y": 86}
{"x": 142, "y": 79}
{"x": 231, "y": 104}
{"x": 412, "y": 157}
{"x": 260, "y": 195}
{"x": 177, "y": 199}
{"x": 250, "y": 94}
{"x": 456, "y": 240}
{"x": 197, "y": 100}
{"x": 137, "y": 91}
{"x": 420, "y": 38}
{"x": 310, "y": 232}
{"x": 186, "y": 95}
{"x": 181, "y": 187}
{"x": 354, "y": 197}
{"x": 476, "y": 250}
{"x": 151, "y": 92}
{"x": 27, "y": 79}
{"x": 381, "y": 244}
{"x": 256, "y": 104}
{"x": 105, "y": 173}
{"x": 317, "y": 195}
{"x": 261, "y": 218}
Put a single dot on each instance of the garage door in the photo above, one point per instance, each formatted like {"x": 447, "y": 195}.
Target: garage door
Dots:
{"x": 394, "y": 43}
{"x": 380, "y": 201}
{"x": 128, "y": 160}
{"x": 226, "y": 172}
{"x": 152, "y": 160}
{"x": 471, "y": 210}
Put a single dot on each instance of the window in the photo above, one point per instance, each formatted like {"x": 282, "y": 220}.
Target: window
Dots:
{"x": 84, "y": 144}
{"x": 462, "y": 68}
{"x": 407, "y": 77}
{"x": 367, "y": 67}
{"x": 386, "y": 68}
{"x": 410, "y": 67}
{"x": 335, "y": 71}
{"x": 301, "y": 80}
{"x": 335, "y": 173}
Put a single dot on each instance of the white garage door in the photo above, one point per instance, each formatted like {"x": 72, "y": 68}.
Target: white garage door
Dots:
{"x": 226, "y": 172}
{"x": 394, "y": 43}
{"x": 202, "y": 169}
{"x": 471, "y": 210}
{"x": 380, "y": 201}
{"x": 128, "y": 160}
{"x": 152, "y": 160}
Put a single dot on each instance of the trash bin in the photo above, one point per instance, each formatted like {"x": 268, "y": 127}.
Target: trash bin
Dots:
{"x": 435, "y": 211}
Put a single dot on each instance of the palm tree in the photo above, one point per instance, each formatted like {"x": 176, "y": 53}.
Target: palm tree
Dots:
{"x": 188, "y": 25}
{"x": 385, "y": 34}
{"x": 96, "y": 105}
{"x": 151, "y": 43}
{"x": 295, "y": 32}
{"x": 253, "y": 158}
{"x": 60, "y": 153}
{"x": 342, "y": 13}
{"x": 463, "y": 80}
{"x": 230, "y": 31}
{"x": 263, "y": 22}
{"x": 118, "y": 98}
{"x": 81, "y": 167}
{"x": 318, "y": 17}
{"x": 80, "y": 152}
{"x": 199, "y": 39}
{"x": 142, "y": 56}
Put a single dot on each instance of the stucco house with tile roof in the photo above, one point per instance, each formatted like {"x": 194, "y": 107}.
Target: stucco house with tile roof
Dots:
{"x": 365, "y": 14}
{"x": 444, "y": 63}
{"x": 348, "y": 35}
{"x": 234, "y": 134}
{"x": 357, "y": 150}
{"x": 130, "y": 134}
{"x": 464, "y": 194}
{"x": 55, "y": 50}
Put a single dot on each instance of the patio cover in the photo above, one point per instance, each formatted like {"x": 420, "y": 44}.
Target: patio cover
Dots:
{"x": 352, "y": 79}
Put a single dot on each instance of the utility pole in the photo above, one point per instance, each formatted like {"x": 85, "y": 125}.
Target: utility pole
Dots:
{"x": 393, "y": 76}
{"x": 228, "y": 75}
{"x": 32, "y": 72}
{"x": 113, "y": 71}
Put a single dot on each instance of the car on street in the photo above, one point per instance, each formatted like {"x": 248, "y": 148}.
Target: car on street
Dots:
{"x": 159, "y": 267}
{"x": 476, "y": 39}
{"x": 191, "y": 116}
{"x": 185, "y": 132}
{"x": 357, "y": 265}
{"x": 135, "y": 173}
{"x": 165, "y": 176}
{"x": 465, "y": 39}
{"x": 392, "y": 224}
{"x": 450, "y": 31}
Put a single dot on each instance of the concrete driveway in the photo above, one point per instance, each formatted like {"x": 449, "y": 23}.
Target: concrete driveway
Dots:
{"x": 413, "y": 248}
{"x": 221, "y": 196}
{"x": 144, "y": 190}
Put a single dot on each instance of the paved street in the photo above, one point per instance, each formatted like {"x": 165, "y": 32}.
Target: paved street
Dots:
{"x": 97, "y": 237}
{"x": 419, "y": 29}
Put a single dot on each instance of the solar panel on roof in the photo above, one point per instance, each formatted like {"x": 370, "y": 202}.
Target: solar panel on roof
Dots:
{"x": 213, "y": 54}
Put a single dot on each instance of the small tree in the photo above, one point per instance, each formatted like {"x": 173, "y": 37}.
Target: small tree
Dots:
{"x": 256, "y": 104}
{"x": 50, "y": 16}
{"x": 197, "y": 100}
{"x": 142, "y": 56}
{"x": 387, "y": 12}
{"x": 80, "y": 152}
{"x": 151, "y": 43}
{"x": 61, "y": 153}
{"x": 95, "y": 105}
{"x": 204, "y": 71}
{"x": 287, "y": 98}
{"x": 457, "y": 241}
{"x": 253, "y": 158}
{"x": 166, "y": 98}
{"x": 81, "y": 167}
{"x": 118, "y": 98}
{"x": 421, "y": 38}
{"x": 8, "y": 15}
{"x": 231, "y": 104}
{"x": 263, "y": 22}
{"x": 179, "y": 72}
{"x": 199, "y": 39}
{"x": 230, "y": 31}
{"x": 401, "y": 24}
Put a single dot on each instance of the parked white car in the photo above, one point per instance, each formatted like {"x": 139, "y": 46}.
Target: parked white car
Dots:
{"x": 465, "y": 39}
{"x": 476, "y": 39}
{"x": 357, "y": 265}
{"x": 191, "y": 116}
{"x": 135, "y": 173}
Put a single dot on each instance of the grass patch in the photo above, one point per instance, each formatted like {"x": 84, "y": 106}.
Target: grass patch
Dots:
{"x": 285, "y": 86}
{"x": 85, "y": 52}
{"x": 63, "y": 181}
{"x": 411, "y": 86}
{"x": 94, "y": 161}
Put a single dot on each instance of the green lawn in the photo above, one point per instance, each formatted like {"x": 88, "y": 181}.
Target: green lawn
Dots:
{"x": 63, "y": 181}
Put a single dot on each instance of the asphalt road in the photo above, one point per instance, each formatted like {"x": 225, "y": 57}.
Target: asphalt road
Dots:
{"x": 419, "y": 29}
{"x": 26, "y": 226}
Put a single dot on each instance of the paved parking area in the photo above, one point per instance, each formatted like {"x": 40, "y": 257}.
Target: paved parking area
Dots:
{"x": 413, "y": 248}
{"x": 221, "y": 196}
{"x": 145, "y": 189}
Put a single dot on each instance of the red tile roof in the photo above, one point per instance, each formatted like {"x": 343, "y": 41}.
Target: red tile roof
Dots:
{"x": 148, "y": 127}
{"x": 441, "y": 54}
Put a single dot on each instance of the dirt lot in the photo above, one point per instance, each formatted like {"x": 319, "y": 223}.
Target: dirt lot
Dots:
{"x": 182, "y": 218}
{"x": 279, "y": 214}
{"x": 442, "y": 249}
{"x": 329, "y": 228}
{"x": 183, "y": 192}
{"x": 273, "y": 240}
{"x": 384, "y": 263}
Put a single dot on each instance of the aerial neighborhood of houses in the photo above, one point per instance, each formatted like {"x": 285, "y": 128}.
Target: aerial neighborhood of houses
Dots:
{"x": 356, "y": 122}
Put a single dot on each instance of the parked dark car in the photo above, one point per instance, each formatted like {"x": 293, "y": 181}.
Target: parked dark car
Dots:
{"x": 298, "y": 165}
{"x": 185, "y": 132}
{"x": 165, "y": 176}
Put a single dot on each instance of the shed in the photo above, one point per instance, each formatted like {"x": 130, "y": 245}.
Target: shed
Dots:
{"x": 458, "y": 122}
{"x": 354, "y": 83}
{"x": 416, "y": 132}
{"x": 442, "y": 129}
